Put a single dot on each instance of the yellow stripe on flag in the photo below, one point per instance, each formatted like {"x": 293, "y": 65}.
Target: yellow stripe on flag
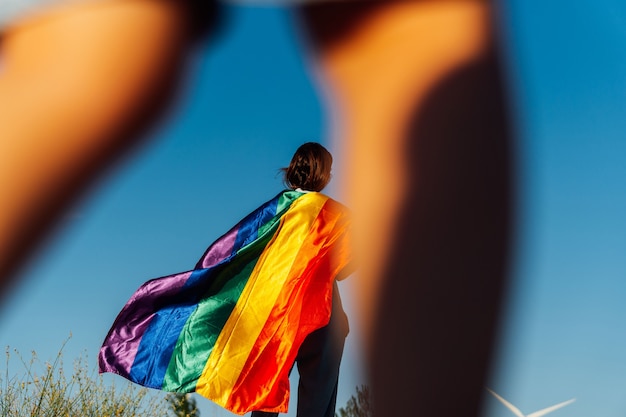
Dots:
{"x": 275, "y": 267}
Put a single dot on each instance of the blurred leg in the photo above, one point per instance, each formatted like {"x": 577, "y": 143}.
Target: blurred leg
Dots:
{"x": 377, "y": 70}
{"x": 77, "y": 86}
{"x": 420, "y": 116}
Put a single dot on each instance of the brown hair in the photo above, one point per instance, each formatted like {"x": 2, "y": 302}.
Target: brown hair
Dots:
{"x": 309, "y": 168}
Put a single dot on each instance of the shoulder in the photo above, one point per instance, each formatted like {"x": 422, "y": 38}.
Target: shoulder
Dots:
{"x": 336, "y": 205}
{"x": 329, "y": 204}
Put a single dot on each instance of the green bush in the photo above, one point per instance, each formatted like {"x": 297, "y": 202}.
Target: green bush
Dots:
{"x": 43, "y": 389}
{"x": 182, "y": 405}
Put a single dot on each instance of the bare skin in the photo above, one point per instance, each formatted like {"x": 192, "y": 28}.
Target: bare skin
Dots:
{"x": 376, "y": 79}
{"x": 78, "y": 82}
{"x": 413, "y": 92}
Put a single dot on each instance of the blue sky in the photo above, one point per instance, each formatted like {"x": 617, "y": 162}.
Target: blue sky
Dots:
{"x": 249, "y": 102}
{"x": 564, "y": 334}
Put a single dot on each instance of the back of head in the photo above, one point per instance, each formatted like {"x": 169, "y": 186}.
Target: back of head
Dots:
{"x": 310, "y": 168}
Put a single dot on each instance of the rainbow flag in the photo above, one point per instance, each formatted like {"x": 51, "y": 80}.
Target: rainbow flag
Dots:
{"x": 230, "y": 328}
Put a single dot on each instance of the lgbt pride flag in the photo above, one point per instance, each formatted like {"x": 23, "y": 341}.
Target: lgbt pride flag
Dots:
{"x": 230, "y": 328}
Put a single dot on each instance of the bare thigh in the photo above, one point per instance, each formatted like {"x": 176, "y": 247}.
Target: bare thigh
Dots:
{"x": 77, "y": 85}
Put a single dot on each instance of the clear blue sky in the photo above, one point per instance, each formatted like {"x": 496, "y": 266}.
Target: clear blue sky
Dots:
{"x": 249, "y": 102}
{"x": 564, "y": 332}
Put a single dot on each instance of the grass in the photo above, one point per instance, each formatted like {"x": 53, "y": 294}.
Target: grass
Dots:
{"x": 45, "y": 389}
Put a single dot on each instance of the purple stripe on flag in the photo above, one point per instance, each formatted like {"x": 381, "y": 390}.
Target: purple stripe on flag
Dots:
{"x": 118, "y": 352}
{"x": 220, "y": 250}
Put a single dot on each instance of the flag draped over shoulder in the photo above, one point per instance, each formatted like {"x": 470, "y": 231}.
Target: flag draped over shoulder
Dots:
{"x": 230, "y": 328}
